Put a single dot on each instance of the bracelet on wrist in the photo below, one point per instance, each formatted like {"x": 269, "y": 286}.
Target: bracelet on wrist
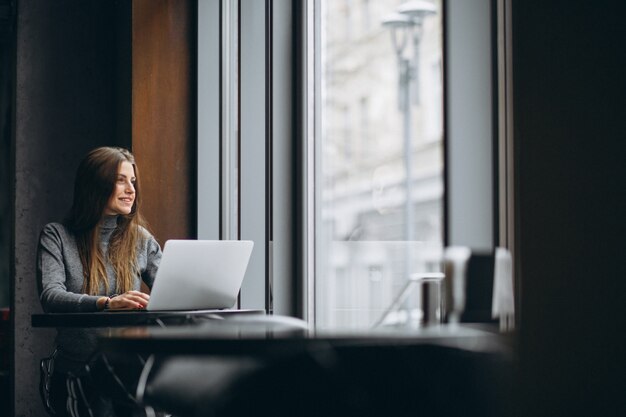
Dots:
{"x": 108, "y": 300}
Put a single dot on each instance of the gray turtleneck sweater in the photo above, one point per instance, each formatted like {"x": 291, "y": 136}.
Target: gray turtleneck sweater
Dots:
{"x": 60, "y": 279}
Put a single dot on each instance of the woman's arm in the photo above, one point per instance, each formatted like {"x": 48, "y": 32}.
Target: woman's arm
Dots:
{"x": 56, "y": 272}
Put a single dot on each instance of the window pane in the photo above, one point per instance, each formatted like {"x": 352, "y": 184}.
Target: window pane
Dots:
{"x": 230, "y": 120}
{"x": 380, "y": 161}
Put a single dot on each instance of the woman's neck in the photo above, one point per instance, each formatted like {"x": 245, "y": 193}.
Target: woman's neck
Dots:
{"x": 109, "y": 222}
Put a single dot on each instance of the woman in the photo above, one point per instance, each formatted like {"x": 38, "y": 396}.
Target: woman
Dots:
{"x": 95, "y": 260}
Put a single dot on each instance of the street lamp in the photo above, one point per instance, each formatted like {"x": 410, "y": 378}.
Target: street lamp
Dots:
{"x": 416, "y": 10}
{"x": 404, "y": 24}
{"x": 399, "y": 26}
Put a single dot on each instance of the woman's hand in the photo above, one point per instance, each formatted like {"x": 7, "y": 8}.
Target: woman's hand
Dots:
{"x": 130, "y": 300}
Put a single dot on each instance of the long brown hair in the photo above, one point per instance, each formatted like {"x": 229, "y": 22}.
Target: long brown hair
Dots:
{"x": 94, "y": 185}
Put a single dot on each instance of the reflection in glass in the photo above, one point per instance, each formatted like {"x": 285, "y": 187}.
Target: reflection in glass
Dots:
{"x": 380, "y": 165}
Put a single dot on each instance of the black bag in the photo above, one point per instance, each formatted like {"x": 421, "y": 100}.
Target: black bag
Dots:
{"x": 106, "y": 387}
{"x": 74, "y": 394}
{"x": 46, "y": 368}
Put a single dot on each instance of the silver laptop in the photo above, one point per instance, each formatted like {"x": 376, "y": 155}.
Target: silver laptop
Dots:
{"x": 200, "y": 274}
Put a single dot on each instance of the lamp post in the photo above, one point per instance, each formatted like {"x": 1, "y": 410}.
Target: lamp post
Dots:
{"x": 404, "y": 24}
{"x": 416, "y": 10}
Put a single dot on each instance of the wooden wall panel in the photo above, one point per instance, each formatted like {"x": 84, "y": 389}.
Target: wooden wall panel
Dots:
{"x": 163, "y": 113}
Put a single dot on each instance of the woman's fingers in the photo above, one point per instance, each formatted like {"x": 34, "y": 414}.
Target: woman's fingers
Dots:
{"x": 129, "y": 300}
{"x": 140, "y": 294}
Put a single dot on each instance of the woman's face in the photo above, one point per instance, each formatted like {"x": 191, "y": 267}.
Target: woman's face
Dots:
{"x": 123, "y": 197}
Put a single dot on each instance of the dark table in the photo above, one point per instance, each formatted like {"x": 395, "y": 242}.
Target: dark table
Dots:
{"x": 118, "y": 318}
{"x": 261, "y": 336}
{"x": 237, "y": 366}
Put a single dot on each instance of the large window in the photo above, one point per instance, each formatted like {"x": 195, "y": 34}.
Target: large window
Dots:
{"x": 320, "y": 137}
{"x": 378, "y": 157}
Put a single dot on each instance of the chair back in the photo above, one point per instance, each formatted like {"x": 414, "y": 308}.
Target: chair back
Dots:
{"x": 478, "y": 285}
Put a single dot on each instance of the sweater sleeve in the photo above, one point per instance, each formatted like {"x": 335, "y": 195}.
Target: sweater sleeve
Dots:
{"x": 52, "y": 276}
{"x": 153, "y": 254}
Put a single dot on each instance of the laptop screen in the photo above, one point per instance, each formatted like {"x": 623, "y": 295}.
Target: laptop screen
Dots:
{"x": 200, "y": 274}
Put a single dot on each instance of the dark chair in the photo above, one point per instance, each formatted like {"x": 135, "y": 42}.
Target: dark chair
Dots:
{"x": 188, "y": 385}
{"x": 180, "y": 385}
{"x": 370, "y": 381}
{"x": 471, "y": 276}
{"x": 479, "y": 288}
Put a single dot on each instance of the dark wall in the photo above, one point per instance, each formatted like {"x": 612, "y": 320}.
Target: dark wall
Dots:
{"x": 69, "y": 68}
{"x": 569, "y": 110}
{"x": 7, "y": 72}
